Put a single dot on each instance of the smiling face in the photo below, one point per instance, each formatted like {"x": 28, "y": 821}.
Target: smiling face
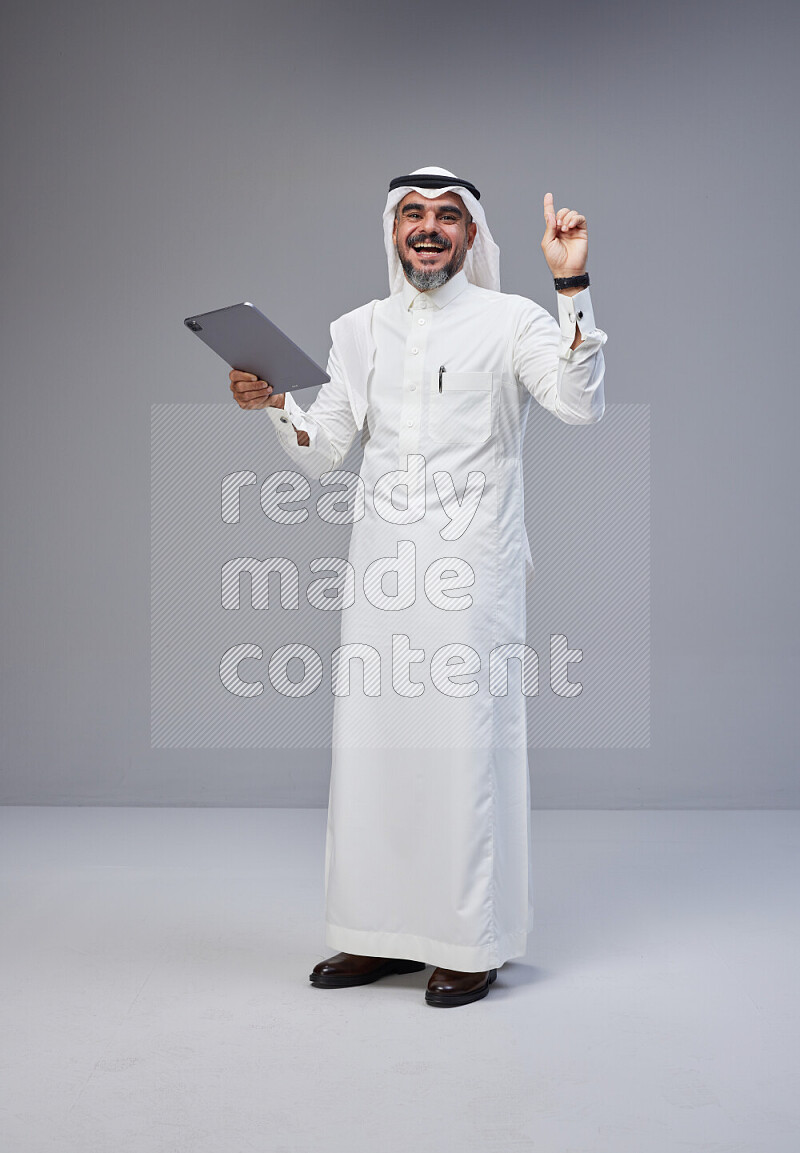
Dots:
{"x": 432, "y": 237}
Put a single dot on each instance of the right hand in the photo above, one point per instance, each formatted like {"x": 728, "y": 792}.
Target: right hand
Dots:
{"x": 250, "y": 392}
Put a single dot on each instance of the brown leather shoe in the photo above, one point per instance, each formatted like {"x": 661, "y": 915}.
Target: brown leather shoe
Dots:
{"x": 346, "y": 969}
{"x": 449, "y": 987}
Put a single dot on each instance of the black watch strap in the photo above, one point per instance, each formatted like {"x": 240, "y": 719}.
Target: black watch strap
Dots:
{"x": 581, "y": 281}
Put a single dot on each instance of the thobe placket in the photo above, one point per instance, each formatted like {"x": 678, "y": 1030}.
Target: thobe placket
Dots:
{"x": 416, "y": 349}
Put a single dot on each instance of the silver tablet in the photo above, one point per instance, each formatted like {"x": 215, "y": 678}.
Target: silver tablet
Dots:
{"x": 249, "y": 342}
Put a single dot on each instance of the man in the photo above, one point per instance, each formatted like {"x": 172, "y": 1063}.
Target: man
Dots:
{"x": 428, "y": 838}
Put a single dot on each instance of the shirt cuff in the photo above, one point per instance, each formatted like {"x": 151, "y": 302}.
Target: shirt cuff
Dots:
{"x": 282, "y": 423}
{"x": 296, "y": 414}
{"x": 314, "y": 458}
{"x": 575, "y": 309}
{"x": 293, "y": 410}
{"x": 292, "y": 414}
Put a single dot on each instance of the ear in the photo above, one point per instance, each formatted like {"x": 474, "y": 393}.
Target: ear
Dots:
{"x": 394, "y": 229}
{"x": 472, "y": 232}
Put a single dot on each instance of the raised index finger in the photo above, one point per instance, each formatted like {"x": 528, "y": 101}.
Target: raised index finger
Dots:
{"x": 548, "y": 204}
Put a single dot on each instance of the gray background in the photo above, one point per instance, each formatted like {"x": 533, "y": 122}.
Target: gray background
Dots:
{"x": 160, "y": 160}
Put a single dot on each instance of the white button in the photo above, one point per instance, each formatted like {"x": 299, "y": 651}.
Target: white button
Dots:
{"x": 420, "y": 321}
{"x": 409, "y": 423}
{"x": 414, "y": 351}
{"x": 413, "y": 387}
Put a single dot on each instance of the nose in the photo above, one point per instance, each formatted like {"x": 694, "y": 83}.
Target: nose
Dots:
{"x": 429, "y": 221}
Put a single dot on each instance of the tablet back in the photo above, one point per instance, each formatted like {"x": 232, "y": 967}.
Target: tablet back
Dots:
{"x": 248, "y": 341}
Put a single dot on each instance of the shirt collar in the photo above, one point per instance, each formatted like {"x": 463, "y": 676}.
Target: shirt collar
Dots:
{"x": 437, "y": 297}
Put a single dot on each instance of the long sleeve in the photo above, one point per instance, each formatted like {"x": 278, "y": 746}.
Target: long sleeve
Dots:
{"x": 328, "y": 421}
{"x": 567, "y": 381}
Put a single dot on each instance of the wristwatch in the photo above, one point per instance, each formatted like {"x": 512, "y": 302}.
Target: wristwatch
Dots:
{"x": 581, "y": 281}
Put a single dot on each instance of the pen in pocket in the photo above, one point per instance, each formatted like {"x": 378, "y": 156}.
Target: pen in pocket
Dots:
{"x": 441, "y": 370}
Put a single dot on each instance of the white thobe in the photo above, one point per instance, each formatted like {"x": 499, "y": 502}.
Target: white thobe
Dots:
{"x": 428, "y": 834}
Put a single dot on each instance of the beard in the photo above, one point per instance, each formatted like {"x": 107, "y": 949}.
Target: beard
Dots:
{"x": 421, "y": 279}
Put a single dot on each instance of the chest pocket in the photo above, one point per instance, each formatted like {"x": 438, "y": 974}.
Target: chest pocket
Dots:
{"x": 462, "y": 412}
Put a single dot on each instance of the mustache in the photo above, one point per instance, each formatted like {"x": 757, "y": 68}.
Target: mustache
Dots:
{"x": 424, "y": 238}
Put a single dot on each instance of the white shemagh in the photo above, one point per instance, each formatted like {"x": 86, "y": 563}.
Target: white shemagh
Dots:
{"x": 482, "y": 265}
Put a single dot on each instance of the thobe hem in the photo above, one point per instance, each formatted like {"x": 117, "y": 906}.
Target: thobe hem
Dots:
{"x": 462, "y": 958}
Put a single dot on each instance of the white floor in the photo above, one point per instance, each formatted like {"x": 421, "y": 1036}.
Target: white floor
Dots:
{"x": 154, "y": 968}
